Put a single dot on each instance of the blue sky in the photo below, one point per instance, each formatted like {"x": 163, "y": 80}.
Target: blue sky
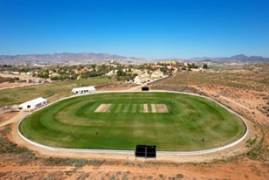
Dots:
{"x": 141, "y": 28}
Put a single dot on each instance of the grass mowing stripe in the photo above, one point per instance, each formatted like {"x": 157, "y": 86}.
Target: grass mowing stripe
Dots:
{"x": 134, "y": 106}
{"x": 141, "y": 108}
{"x": 149, "y": 108}
{"x": 129, "y": 108}
{"x": 113, "y": 108}
{"x": 94, "y": 107}
{"x": 126, "y": 108}
{"x": 119, "y": 108}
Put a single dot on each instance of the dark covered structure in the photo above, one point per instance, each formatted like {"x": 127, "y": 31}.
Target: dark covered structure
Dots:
{"x": 145, "y": 88}
{"x": 146, "y": 151}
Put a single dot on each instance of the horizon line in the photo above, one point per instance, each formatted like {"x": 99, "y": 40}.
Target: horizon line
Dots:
{"x": 137, "y": 57}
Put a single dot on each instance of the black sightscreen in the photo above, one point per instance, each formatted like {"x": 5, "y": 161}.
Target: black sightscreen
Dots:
{"x": 145, "y": 151}
{"x": 145, "y": 88}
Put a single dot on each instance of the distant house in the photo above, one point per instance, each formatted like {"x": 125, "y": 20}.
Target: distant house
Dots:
{"x": 33, "y": 104}
{"x": 83, "y": 90}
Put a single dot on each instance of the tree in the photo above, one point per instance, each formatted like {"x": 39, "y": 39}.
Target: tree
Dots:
{"x": 164, "y": 69}
{"x": 44, "y": 74}
{"x": 194, "y": 66}
{"x": 120, "y": 72}
{"x": 205, "y": 66}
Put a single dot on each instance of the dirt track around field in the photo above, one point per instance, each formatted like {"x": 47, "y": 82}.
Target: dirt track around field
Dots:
{"x": 8, "y": 118}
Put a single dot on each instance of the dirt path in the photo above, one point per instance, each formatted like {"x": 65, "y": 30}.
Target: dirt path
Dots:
{"x": 7, "y": 85}
{"x": 10, "y": 117}
{"x": 7, "y": 115}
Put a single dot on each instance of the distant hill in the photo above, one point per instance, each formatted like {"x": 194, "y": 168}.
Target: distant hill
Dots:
{"x": 97, "y": 58}
{"x": 240, "y": 58}
{"x": 66, "y": 58}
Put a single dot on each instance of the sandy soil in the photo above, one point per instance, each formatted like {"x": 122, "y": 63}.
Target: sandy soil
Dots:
{"x": 104, "y": 169}
{"x": 116, "y": 87}
{"x": 7, "y": 85}
{"x": 7, "y": 116}
{"x": 246, "y": 102}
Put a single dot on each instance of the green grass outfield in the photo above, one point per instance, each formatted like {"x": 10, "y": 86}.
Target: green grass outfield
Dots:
{"x": 191, "y": 123}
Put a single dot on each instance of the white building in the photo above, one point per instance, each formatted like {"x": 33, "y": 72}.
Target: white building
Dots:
{"x": 83, "y": 90}
{"x": 33, "y": 104}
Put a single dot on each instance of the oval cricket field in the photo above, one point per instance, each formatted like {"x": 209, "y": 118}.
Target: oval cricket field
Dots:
{"x": 120, "y": 121}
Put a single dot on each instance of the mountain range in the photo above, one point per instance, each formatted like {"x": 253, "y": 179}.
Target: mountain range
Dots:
{"x": 66, "y": 58}
{"x": 95, "y": 58}
{"x": 240, "y": 58}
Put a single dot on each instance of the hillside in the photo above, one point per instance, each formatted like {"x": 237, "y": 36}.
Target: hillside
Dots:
{"x": 65, "y": 58}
